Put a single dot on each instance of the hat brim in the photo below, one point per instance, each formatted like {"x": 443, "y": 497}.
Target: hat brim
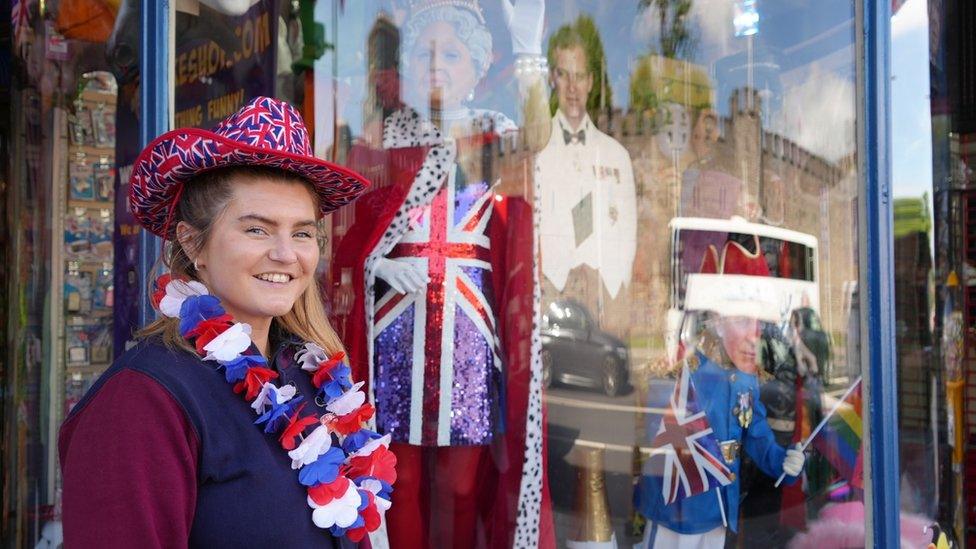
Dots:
{"x": 177, "y": 156}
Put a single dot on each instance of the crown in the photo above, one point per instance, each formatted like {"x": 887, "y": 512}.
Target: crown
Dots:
{"x": 419, "y": 6}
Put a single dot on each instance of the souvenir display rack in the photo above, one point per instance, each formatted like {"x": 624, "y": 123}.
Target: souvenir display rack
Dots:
{"x": 83, "y": 227}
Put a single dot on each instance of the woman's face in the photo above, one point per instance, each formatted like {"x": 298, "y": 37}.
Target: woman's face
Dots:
{"x": 441, "y": 67}
{"x": 262, "y": 250}
{"x": 740, "y": 338}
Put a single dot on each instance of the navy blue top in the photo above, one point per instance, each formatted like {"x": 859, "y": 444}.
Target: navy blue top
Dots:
{"x": 161, "y": 452}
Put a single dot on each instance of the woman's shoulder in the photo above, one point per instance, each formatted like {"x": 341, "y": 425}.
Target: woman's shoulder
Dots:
{"x": 151, "y": 354}
{"x": 174, "y": 369}
{"x": 494, "y": 121}
{"x": 149, "y": 366}
{"x": 139, "y": 368}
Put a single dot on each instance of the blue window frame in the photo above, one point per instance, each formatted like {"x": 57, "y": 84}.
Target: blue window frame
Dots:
{"x": 878, "y": 315}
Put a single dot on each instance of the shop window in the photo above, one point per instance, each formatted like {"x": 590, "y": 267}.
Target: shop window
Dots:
{"x": 69, "y": 101}
{"x": 672, "y": 193}
{"x": 933, "y": 259}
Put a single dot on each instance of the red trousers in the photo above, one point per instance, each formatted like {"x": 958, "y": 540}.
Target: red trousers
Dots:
{"x": 437, "y": 497}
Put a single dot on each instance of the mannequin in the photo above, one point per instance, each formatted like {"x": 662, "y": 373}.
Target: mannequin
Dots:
{"x": 435, "y": 256}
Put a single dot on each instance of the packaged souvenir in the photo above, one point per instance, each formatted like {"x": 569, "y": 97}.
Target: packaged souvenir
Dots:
{"x": 103, "y": 137}
{"x": 104, "y": 177}
{"x": 102, "y": 295}
{"x": 76, "y": 238}
{"x": 76, "y": 385}
{"x": 78, "y": 291}
{"x": 100, "y": 337}
{"x": 82, "y": 181}
{"x": 80, "y": 127}
{"x": 100, "y": 235}
{"x": 78, "y": 345}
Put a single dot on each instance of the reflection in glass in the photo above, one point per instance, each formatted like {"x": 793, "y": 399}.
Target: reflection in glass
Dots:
{"x": 441, "y": 262}
{"x": 687, "y": 154}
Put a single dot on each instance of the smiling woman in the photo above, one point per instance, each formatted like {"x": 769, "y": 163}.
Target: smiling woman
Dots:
{"x": 256, "y": 227}
{"x": 161, "y": 443}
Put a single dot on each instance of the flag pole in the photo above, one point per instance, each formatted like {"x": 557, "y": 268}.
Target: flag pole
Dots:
{"x": 822, "y": 423}
{"x": 721, "y": 506}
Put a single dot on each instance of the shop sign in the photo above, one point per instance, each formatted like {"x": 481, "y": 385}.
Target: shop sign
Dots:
{"x": 218, "y": 71}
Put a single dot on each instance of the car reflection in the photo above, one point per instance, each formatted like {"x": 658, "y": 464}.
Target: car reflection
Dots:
{"x": 576, "y": 352}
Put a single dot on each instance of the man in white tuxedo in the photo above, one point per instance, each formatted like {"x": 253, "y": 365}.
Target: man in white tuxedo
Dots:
{"x": 588, "y": 199}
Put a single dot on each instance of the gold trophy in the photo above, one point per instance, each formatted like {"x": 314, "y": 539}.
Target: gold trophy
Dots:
{"x": 593, "y": 528}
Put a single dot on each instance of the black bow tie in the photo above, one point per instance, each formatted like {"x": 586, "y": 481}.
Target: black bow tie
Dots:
{"x": 578, "y": 137}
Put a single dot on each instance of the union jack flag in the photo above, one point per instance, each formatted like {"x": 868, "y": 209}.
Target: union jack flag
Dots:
{"x": 687, "y": 452}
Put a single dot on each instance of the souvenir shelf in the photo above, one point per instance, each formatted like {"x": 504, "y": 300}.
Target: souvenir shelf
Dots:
{"x": 84, "y": 181}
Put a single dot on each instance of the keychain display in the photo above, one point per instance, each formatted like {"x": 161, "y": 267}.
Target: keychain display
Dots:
{"x": 76, "y": 228}
{"x": 103, "y": 130}
{"x": 104, "y": 181}
{"x": 80, "y": 126}
{"x": 100, "y": 236}
{"x": 82, "y": 180}
{"x": 89, "y": 225}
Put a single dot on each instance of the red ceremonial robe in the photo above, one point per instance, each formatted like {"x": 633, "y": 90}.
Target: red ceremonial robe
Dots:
{"x": 518, "y": 509}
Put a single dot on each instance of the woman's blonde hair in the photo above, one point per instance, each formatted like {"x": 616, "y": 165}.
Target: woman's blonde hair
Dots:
{"x": 203, "y": 200}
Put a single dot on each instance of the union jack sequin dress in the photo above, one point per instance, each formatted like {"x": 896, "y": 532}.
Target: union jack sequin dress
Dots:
{"x": 437, "y": 368}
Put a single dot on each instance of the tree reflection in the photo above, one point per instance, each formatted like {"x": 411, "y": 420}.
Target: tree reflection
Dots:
{"x": 676, "y": 37}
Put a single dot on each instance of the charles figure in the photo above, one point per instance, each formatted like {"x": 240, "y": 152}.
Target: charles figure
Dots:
{"x": 588, "y": 218}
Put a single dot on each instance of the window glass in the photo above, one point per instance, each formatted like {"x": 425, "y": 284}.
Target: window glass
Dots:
{"x": 933, "y": 262}
{"x": 604, "y": 277}
{"x": 550, "y": 252}
{"x": 68, "y": 92}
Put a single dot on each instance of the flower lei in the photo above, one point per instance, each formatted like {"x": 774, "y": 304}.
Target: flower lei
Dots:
{"x": 349, "y": 483}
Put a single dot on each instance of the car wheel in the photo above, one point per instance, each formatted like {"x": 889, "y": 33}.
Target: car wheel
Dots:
{"x": 613, "y": 379}
{"x": 546, "y": 369}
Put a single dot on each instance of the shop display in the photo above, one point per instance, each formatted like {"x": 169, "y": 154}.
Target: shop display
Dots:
{"x": 437, "y": 257}
{"x": 87, "y": 241}
{"x": 82, "y": 180}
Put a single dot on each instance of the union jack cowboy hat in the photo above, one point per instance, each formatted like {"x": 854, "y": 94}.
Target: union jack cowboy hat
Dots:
{"x": 265, "y": 132}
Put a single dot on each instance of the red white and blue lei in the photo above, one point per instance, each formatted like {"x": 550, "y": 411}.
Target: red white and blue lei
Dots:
{"x": 349, "y": 476}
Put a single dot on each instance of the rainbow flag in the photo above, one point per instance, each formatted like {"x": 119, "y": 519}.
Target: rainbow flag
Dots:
{"x": 840, "y": 438}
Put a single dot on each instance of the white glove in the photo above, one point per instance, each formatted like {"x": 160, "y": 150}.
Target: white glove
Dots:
{"x": 793, "y": 464}
{"x": 402, "y": 276}
{"x": 525, "y": 25}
